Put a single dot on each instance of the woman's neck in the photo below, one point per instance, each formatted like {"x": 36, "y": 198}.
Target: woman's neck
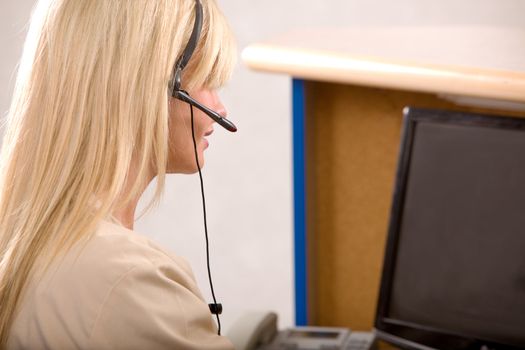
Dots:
{"x": 126, "y": 215}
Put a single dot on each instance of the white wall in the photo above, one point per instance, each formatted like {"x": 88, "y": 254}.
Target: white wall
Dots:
{"x": 248, "y": 174}
{"x": 13, "y": 19}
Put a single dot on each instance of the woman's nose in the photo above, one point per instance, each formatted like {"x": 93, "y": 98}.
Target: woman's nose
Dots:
{"x": 219, "y": 107}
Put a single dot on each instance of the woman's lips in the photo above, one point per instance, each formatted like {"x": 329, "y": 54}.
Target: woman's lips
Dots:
{"x": 208, "y": 133}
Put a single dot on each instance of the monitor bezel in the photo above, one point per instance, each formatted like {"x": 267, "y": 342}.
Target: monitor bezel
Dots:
{"x": 401, "y": 333}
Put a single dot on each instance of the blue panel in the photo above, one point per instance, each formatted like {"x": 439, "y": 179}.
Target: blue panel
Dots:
{"x": 299, "y": 173}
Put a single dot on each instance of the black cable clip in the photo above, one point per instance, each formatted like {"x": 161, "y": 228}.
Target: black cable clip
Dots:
{"x": 216, "y": 309}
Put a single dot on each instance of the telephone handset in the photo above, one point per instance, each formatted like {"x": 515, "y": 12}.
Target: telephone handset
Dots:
{"x": 258, "y": 331}
{"x": 253, "y": 329}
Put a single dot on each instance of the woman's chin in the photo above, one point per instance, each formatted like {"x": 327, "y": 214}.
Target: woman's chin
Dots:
{"x": 186, "y": 164}
{"x": 188, "y": 169}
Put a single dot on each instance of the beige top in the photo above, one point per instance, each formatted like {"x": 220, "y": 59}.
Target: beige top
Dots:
{"x": 482, "y": 62}
{"x": 119, "y": 291}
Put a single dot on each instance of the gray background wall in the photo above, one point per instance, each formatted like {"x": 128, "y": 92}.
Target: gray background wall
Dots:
{"x": 248, "y": 175}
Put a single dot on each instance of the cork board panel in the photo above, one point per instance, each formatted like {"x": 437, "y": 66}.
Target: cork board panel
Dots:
{"x": 352, "y": 143}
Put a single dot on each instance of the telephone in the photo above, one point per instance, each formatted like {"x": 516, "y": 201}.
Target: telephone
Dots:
{"x": 258, "y": 331}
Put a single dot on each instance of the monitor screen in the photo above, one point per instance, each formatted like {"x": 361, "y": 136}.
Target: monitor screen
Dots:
{"x": 454, "y": 274}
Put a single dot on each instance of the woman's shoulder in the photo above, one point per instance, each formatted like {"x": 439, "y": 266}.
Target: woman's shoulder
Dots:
{"x": 109, "y": 254}
{"x": 102, "y": 291}
{"x": 125, "y": 248}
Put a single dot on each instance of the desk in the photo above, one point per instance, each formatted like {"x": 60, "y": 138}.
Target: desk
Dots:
{"x": 350, "y": 87}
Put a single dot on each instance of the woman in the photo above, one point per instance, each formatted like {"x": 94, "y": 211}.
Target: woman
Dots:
{"x": 92, "y": 122}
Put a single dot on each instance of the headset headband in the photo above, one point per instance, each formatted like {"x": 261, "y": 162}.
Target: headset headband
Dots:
{"x": 190, "y": 47}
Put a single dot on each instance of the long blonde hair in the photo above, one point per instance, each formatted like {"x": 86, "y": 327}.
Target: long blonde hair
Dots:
{"x": 91, "y": 92}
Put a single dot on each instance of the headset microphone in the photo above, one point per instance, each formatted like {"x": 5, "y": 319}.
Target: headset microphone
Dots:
{"x": 225, "y": 123}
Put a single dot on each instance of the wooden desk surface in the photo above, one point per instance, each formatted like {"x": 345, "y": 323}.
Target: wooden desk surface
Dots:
{"x": 470, "y": 61}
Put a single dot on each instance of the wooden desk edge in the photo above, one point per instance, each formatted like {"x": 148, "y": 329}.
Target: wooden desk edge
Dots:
{"x": 345, "y": 68}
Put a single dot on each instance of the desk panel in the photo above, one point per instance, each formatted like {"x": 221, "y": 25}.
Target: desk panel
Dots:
{"x": 351, "y": 143}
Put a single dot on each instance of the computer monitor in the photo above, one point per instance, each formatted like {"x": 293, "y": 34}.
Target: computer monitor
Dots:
{"x": 454, "y": 268}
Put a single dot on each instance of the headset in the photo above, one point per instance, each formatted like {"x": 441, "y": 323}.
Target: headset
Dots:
{"x": 178, "y": 93}
{"x": 183, "y": 60}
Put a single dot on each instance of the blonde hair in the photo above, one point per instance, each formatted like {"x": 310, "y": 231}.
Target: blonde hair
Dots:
{"x": 91, "y": 92}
